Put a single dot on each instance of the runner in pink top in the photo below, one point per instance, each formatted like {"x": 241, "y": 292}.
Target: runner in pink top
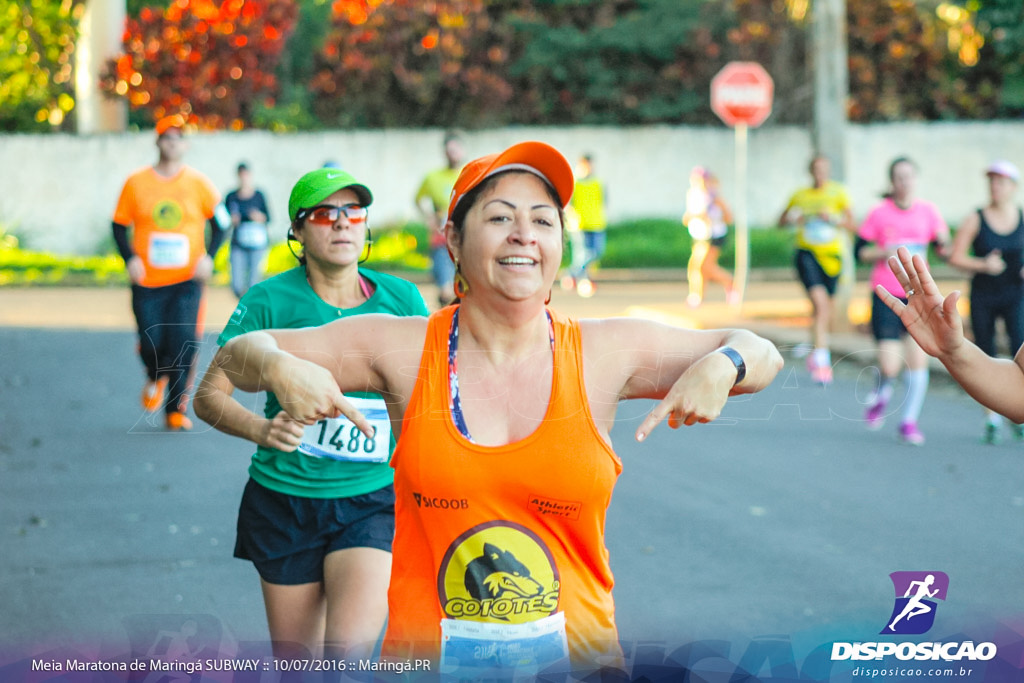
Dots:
{"x": 900, "y": 220}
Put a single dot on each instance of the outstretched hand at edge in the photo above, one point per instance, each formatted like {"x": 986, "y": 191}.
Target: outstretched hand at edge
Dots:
{"x": 933, "y": 321}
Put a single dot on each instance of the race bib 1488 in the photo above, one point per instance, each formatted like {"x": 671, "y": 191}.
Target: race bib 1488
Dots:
{"x": 339, "y": 439}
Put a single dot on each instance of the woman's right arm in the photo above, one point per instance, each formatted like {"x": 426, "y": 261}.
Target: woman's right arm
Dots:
{"x": 215, "y": 405}
{"x": 309, "y": 368}
{"x": 306, "y": 390}
{"x": 959, "y": 253}
{"x": 934, "y": 323}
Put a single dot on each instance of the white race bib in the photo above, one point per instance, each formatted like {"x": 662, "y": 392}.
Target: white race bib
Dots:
{"x": 168, "y": 250}
{"x": 819, "y": 232}
{"x": 251, "y": 235}
{"x": 477, "y": 650}
{"x": 339, "y": 439}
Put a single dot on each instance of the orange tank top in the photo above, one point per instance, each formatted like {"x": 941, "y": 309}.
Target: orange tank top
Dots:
{"x": 501, "y": 534}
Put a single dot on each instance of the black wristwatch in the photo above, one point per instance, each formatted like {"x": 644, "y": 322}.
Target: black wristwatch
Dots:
{"x": 737, "y": 360}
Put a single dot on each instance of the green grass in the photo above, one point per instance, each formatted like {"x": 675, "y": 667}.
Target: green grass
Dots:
{"x": 643, "y": 243}
{"x": 665, "y": 243}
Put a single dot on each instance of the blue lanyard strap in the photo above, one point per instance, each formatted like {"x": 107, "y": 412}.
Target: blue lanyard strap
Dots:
{"x": 455, "y": 403}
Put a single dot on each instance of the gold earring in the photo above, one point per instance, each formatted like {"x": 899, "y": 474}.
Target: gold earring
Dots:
{"x": 459, "y": 282}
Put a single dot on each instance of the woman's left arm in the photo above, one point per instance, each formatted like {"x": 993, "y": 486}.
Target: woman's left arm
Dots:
{"x": 691, "y": 372}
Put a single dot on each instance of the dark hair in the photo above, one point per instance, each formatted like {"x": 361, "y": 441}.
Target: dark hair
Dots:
{"x": 243, "y": 166}
{"x": 471, "y": 197}
{"x": 452, "y": 135}
{"x": 900, "y": 160}
{"x": 889, "y": 194}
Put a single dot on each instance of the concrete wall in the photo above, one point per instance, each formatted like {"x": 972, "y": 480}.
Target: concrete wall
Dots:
{"x": 58, "y": 191}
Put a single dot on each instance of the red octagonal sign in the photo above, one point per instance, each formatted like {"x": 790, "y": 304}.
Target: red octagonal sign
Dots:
{"x": 742, "y": 93}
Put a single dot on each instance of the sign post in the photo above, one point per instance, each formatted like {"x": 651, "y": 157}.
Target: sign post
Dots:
{"x": 741, "y": 95}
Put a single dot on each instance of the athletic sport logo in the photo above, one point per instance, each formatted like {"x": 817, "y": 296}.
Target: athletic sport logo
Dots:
{"x": 498, "y": 572}
{"x": 916, "y": 593}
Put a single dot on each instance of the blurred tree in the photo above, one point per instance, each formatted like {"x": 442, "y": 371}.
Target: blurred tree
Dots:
{"x": 37, "y": 41}
{"x": 1002, "y": 21}
{"x": 616, "y": 61}
{"x": 292, "y": 109}
{"x": 211, "y": 60}
{"x": 411, "y": 63}
{"x": 906, "y": 61}
{"x": 135, "y": 7}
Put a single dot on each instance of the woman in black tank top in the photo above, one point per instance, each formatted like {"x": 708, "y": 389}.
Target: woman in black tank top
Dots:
{"x": 995, "y": 235}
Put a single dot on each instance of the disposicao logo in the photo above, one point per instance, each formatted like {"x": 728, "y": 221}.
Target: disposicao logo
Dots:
{"x": 916, "y": 593}
{"x": 913, "y": 614}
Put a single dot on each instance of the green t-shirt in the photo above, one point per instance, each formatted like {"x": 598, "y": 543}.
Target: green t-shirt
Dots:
{"x": 287, "y": 301}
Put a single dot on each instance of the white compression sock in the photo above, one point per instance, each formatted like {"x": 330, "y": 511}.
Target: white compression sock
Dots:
{"x": 917, "y": 387}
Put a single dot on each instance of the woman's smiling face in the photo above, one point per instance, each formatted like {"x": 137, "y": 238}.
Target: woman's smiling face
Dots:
{"x": 511, "y": 243}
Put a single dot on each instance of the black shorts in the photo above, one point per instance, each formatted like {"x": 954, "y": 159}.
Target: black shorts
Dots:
{"x": 718, "y": 241}
{"x": 812, "y": 274}
{"x": 885, "y": 325}
{"x": 288, "y": 537}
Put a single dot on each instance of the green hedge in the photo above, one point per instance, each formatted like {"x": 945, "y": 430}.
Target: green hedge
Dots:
{"x": 644, "y": 243}
{"x": 664, "y": 243}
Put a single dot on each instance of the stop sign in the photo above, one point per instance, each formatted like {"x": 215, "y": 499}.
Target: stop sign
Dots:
{"x": 742, "y": 93}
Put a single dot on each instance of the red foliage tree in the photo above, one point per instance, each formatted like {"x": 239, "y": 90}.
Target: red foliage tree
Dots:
{"x": 210, "y": 60}
{"x": 406, "y": 62}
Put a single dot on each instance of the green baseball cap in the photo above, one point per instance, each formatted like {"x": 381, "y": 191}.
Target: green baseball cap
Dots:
{"x": 318, "y": 185}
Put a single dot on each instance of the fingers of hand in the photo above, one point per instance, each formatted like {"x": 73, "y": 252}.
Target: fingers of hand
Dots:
{"x": 949, "y": 305}
{"x": 911, "y": 268}
{"x": 651, "y": 421}
{"x": 889, "y": 300}
{"x": 896, "y": 266}
{"x": 679, "y": 412}
{"x": 343, "y": 407}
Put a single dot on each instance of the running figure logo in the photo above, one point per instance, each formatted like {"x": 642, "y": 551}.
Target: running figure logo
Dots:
{"x": 916, "y": 592}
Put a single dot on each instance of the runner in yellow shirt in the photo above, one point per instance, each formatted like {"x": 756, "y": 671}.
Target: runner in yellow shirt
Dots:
{"x": 820, "y": 213}
{"x": 587, "y": 203}
{"x": 432, "y": 201}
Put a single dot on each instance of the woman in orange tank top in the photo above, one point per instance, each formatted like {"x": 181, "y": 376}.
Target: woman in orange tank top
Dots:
{"x": 504, "y": 467}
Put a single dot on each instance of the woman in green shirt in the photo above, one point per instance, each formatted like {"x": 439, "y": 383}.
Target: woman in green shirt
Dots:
{"x": 317, "y": 515}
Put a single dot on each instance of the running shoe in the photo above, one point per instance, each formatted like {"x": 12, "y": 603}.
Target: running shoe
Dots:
{"x": 693, "y": 300}
{"x": 153, "y": 394}
{"x": 874, "y": 417}
{"x": 733, "y": 298}
{"x": 822, "y": 374}
{"x": 585, "y": 288}
{"x": 178, "y": 422}
{"x": 909, "y": 433}
{"x": 991, "y": 435}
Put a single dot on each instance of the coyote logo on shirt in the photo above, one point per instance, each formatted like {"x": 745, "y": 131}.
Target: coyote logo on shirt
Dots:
{"x": 498, "y": 572}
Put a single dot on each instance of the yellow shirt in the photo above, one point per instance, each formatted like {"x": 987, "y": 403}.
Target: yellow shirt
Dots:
{"x": 588, "y": 201}
{"x": 823, "y": 238}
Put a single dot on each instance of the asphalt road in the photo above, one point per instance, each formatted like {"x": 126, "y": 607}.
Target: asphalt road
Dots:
{"x": 783, "y": 519}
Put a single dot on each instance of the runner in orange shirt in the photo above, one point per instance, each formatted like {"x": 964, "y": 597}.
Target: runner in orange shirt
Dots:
{"x": 167, "y": 206}
{"x": 504, "y": 466}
